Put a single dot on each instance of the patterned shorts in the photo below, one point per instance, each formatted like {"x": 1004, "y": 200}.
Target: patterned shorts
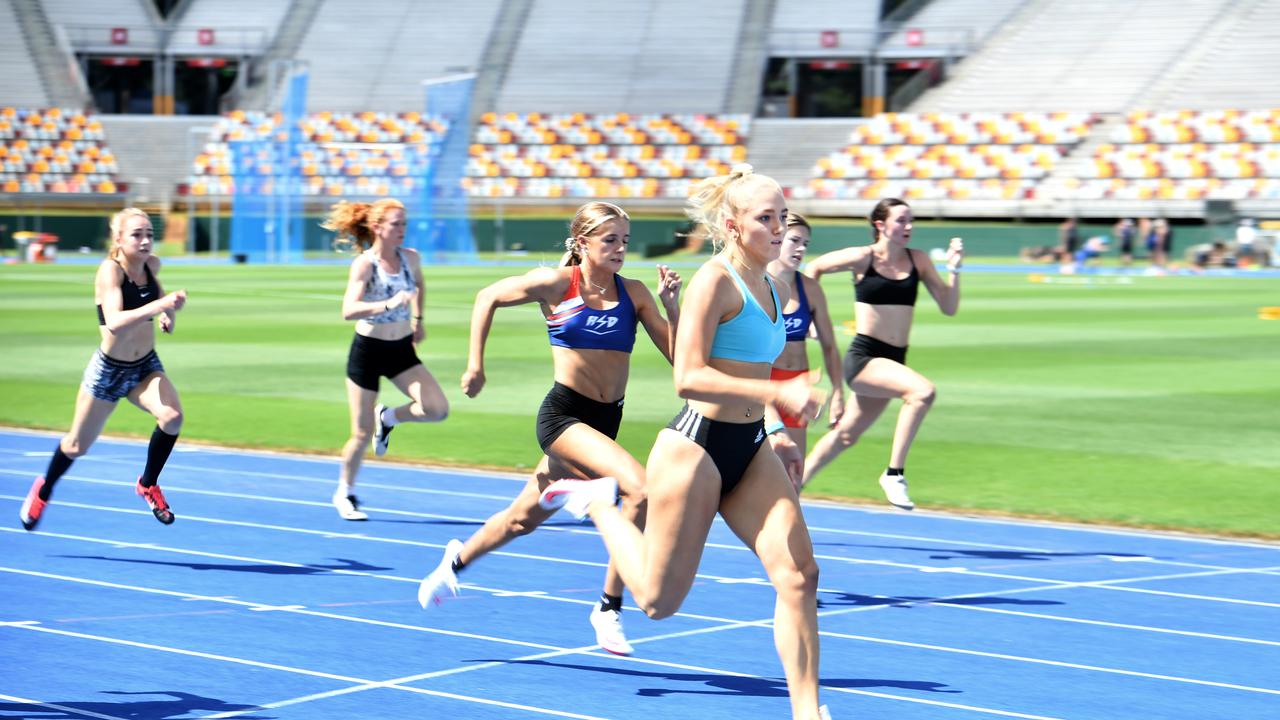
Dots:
{"x": 109, "y": 379}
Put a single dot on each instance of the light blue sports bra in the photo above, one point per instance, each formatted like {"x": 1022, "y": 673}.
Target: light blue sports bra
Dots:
{"x": 750, "y": 336}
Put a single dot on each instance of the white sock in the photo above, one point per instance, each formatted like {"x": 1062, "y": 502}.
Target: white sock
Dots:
{"x": 389, "y": 417}
{"x": 344, "y": 490}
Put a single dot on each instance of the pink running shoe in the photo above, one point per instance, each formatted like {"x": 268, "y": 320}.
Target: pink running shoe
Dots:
{"x": 155, "y": 500}
{"x": 576, "y": 495}
{"x": 33, "y": 506}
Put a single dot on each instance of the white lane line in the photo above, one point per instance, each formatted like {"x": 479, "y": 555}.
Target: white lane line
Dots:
{"x": 60, "y": 708}
{"x": 584, "y": 530}
{"x": 304, "y": 671}
{"x": 824, "y": 505}
{"x": 1054, "y": 525}
{"x": 737, "y": 548}
{"x": 1055, "y": 663}
{"x": 1045, "y": 583}
{"x": 553, "y": 652}
{"x": 1103, "y": 623}
{"x": 732, "y": 624}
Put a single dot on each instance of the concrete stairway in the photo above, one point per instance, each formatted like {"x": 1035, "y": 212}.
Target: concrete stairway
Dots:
{"x": 787, "y": 149}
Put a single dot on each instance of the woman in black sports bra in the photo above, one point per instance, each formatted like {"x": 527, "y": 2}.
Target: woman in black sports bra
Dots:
{"x": 887, "y": 277}
{"x": 125, "y": 365}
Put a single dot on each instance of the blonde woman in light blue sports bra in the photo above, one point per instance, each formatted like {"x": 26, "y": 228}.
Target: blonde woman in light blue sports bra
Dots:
{"x": 716, "y": 455}
{"x": 384, "y": 297}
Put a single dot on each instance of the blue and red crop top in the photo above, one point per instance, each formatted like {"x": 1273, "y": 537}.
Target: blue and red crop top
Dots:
{"x": 133, "y": 296}
{"x": 798, "y": 322}
{"x": 576, "y": 325}
{"x": 876, "y": 289}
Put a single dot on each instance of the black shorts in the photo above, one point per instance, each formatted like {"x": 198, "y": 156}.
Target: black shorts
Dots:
{"x": 863, "y": 348}
{"x": 731, "y": 446}
{"x": 372, "y": 359}
{"x": 563, "y": 406}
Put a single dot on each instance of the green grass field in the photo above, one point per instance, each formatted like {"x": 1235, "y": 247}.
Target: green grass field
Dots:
{"x": 1154, "y": 402}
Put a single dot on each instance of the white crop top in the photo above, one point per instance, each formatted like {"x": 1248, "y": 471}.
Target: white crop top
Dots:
{"x": 383, "y": 286}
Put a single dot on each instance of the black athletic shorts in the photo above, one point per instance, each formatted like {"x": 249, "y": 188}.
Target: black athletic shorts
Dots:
{"x": 731, "y": 446}
{"x": 863, "y": 348}
{"x": 563, "y": 406}
{"x": 371, "y": 359}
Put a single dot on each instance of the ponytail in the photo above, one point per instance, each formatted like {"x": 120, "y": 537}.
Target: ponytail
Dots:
{"x": 716, "y": 200}
{"x": 354, "y": 222}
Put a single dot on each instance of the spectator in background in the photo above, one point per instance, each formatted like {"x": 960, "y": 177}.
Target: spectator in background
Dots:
{"x": 1246, "y": 236}
{"x": 1092, "y": 248}
{"x": 1068, "y": 239}
{"x": 1160, "y": 242}
{"x": 1144, "y": 235}
{"x": 1124, "y": 235}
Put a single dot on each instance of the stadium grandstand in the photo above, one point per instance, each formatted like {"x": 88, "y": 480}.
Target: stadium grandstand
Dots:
{"x": 968, "y": 108}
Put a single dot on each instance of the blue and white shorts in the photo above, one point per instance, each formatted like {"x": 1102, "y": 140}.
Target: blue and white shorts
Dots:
{"x": 109, "y": 379}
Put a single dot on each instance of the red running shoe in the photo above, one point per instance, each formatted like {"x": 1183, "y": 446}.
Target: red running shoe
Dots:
{"x": 155, "y": 499}
{"x": 33, "y": 506}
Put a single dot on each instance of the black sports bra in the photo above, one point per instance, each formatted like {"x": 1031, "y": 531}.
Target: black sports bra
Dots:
{"x": 134, "y": 296}
{"x": 876, "y": 289}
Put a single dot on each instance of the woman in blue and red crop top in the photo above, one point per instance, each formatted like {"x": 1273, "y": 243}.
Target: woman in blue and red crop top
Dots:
{"x": 384, "y": 296}
{"x": 807, "y": 308}
{"x": 713, "y": 457}
{"x": 125, "y": 365}
{"x": 887, "y": 276}
{"x": 591, "y": 315}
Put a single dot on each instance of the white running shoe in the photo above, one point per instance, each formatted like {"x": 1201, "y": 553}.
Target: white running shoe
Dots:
{"x": 381, "y": 432}
{"x": 576, "y": 495}
{"x": 609, "y": 635}
{"x": 442, "y": 583}
{"x": 824, "y": 713}
{"x": 348, "y": 507}
{"x": 895, "y": 489}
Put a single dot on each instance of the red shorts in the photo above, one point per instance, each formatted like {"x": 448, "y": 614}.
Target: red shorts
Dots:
{"x": 788, "y": 420}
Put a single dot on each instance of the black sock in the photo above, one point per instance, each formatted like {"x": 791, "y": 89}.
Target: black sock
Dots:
{"x": 458, "y": 565}
{"x": 58, "y": 465}
{"x": 893, "y": 471}
{"x": 157, "y": 455}
{"x": 610, "y": 602}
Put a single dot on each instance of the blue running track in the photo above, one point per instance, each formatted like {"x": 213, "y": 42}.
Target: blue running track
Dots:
{"x": 259, "y": 602}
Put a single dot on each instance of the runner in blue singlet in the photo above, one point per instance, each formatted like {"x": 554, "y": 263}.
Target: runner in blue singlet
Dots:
{"x": 592, "y": 314}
